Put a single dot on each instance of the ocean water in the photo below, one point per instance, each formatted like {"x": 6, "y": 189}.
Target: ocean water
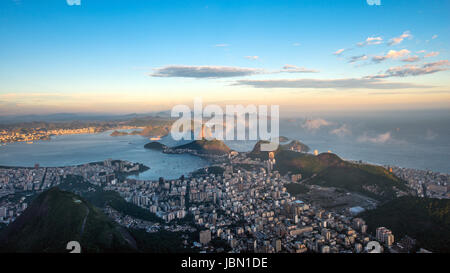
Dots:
{"x": 418, "y": 140}
{"x": 69, "y": 150}
{"x": 412, "y": 139}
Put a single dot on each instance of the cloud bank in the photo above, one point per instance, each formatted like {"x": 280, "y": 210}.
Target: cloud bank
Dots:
{"x": 183, "y": 71}
{"x": 295, "y": 69}
{"x": 379, "y": 139}
{"x": 414, "y": 70}
{"x": 341, "y": 131}
{"x": 351, "y": 83}
{"x": 315, "y": 124}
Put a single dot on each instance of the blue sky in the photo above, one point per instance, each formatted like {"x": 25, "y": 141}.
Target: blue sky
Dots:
{"x": 120, "y": 56}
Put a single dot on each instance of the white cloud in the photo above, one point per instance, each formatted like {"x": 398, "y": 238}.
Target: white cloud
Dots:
{"x": 185, "y": 71}
{"x": 296, "y": 44}
{"x": 253, "y": 58}
{"x": 371, "y": 41}
{"x": 73, "y": 2}
{"x": 358, "y": 58}
{"x": 315, "y": 124}
{"x": 221, "y": 45}
{"x": 434, "y": 36}
{"x": 392, "y": 54}
{"x": 399, "y": 39}
{"x": 341, "y": 131}
{"x": 414, "y": 70}
{"x": 411, "y": 59}
{"x": 339, "y": 51}
{"x": 295, "y": 69}
{"x": 379, "y": 139}
{"x": 431, "y": 54}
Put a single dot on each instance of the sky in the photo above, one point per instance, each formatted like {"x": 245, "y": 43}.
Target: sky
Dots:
{"x": 134, "y": 56}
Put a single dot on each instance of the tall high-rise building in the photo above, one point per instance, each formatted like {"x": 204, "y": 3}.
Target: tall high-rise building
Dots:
{"x": 205, "y": 236}
{"x": 385, "y": 236}
{"x": 3, "y": 212}
{"x": 277, "y": 245}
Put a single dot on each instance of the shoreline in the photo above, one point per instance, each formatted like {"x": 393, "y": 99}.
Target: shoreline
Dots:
{"x": 205, "y": 157}
{"x": 84, "y": 131}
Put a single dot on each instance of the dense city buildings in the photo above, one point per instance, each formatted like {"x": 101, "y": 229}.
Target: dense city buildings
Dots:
{"x": 248, "y": 208}
{"x": 424, "y": 182}
{"x": 34, "y": 134}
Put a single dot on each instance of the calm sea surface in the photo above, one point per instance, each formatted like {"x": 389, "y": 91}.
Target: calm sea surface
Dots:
{"x": 79, "y": 149}
{"x": 420, "y": 141}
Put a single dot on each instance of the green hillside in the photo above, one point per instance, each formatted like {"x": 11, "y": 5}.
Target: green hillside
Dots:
{"x": 155, "y": 131}
{"x": 294, "y": 162}
{"x": 56, "y": 217}
{"x": 297, "y": 146}
{"x": 257, "y": 153}
{"x": 425, "y": 219}
{"x": 373, "y": 182}
{"x": 155, "y": 146}
{"x": 101, "y": 198}
{"x": 329, "y": 170}
{"x": 204, "y": 146}
{"x": 293, "y": 146}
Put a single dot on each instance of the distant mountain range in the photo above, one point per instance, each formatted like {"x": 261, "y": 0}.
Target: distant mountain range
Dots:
{"x": 60, "y": 117}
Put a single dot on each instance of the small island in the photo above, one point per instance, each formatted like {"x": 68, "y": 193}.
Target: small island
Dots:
{"x": 118, "y": 133}
{"x": 203, "y": 147}
{"x": 122, "y": 133}
{"x": 155, "y": 146}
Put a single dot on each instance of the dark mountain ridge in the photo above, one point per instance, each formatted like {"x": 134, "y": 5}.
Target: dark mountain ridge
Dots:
{"x": 55, "y": 218}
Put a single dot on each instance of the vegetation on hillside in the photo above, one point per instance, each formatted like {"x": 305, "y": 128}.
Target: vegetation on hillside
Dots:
{"x": 204, "y": 146}
{"x": 329, "y": 170}
{"x": 296, "y": 188}
{"x": 155, "y": 146}
{"x": 297, "y": 146}
{"x": 293, "y": 146}
{"x": 56, "y": 217}
{"x": 101, "y": 198}
{"x": 425, "y": 219}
